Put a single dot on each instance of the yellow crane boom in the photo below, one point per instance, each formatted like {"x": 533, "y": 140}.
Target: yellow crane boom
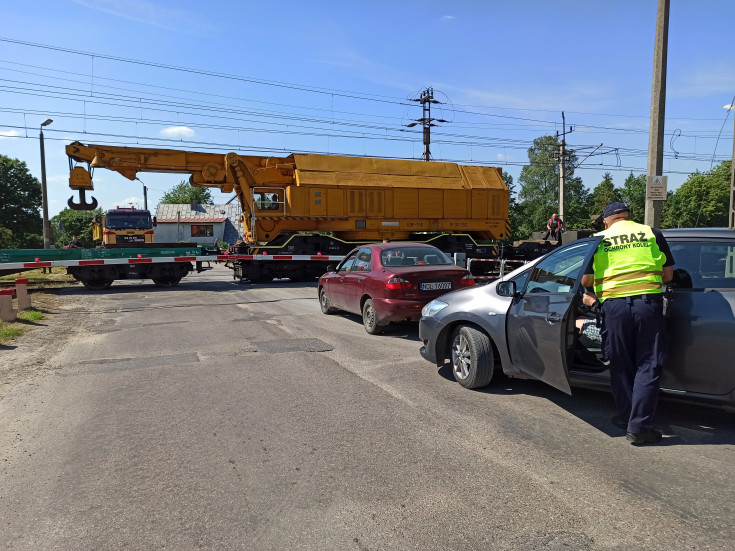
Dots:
{"x": 356, "y": 198}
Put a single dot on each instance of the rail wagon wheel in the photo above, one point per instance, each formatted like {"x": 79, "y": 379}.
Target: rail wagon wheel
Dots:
{"x": 97, "y": 285}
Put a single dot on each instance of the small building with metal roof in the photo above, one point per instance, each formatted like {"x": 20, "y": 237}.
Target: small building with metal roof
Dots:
{"x": 198, "y": 223}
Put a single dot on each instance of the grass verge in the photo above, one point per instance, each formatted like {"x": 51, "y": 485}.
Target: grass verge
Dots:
{"x": 27, "y": 319}
{"x": 38, "y": 279}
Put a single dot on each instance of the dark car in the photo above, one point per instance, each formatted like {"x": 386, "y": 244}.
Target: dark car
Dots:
{"x": 389, "y": 282}
{"x": 527, "y": 323}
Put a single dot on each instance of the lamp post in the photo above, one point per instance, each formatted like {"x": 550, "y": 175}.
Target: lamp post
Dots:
{"x": 44, "y": 197}
{"x": 731, "y": 212}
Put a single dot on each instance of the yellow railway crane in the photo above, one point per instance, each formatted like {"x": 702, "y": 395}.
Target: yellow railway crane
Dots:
{"x": 310, "y": 204}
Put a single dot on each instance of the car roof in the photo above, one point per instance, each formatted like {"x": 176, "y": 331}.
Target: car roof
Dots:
{"x": 699, "y": 233}
{"x": 398, "y": 245}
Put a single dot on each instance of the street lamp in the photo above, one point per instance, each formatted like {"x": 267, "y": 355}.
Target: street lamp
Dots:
{"x": 731, "y": 212}
{"x": 44, "y": 197}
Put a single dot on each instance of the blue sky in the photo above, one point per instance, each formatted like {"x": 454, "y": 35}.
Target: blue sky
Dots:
{"x": 337, "y": 77}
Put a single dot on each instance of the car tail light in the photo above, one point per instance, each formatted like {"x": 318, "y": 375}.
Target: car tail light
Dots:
{"x": 398, "y": 283}
{"x": 467, "y": 281}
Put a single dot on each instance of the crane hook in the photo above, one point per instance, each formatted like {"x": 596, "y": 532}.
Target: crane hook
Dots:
{"x": 82, "y": 204}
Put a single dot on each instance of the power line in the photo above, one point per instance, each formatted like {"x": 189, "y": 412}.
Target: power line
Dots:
{"x": 95, "y": 93}
{"x": 203, "y": 72}
{"x": 217, "y": 147}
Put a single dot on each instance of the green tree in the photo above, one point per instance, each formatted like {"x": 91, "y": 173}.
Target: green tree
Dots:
{"x": 20, "y": 203}
{"x": 515, "y": 213}
{"x": 604, "y": 193}
{"x": 539, "y": 194}
{"x": 185, "y": 193}
{"x": 633, "y": 194}
{"x": 69, "y": 223}
{"x": 7, "y": 239}
{"x": 702, "y": 201}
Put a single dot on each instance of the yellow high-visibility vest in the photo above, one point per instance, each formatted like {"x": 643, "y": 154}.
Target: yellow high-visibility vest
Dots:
{"x": 628, "y": 261}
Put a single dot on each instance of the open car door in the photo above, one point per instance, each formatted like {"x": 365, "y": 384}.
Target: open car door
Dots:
{"x": 538, "y": 321}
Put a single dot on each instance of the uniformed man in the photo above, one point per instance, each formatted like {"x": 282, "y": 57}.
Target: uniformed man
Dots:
{"x": 626, "y": 275}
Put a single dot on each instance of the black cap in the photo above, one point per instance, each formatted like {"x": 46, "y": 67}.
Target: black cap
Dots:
{"x": 616, "y": 207}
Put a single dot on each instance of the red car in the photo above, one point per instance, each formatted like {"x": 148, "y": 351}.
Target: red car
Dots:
{"x": 389, "y": 282}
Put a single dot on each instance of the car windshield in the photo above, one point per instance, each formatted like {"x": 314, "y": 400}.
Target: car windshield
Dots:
{"x": 704, "y": 264}
{"x": 136, "y": 221}
{"x": 414, "y": 256}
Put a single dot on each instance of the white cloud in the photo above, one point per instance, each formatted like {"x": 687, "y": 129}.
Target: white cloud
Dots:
{"x": 153, "y": 14}
{"x": 179, "y": 132}
{"x": 448, "y": 18}
{"x": 708, "y": 78}
{"x": 9, "y": 134}
{"x": 585, "y": 95}
{"x": 137, "y": 202}
{"x": 502, "y": 157}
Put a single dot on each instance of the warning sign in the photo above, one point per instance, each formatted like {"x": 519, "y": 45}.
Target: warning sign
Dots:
{"x": 657, "y": 188}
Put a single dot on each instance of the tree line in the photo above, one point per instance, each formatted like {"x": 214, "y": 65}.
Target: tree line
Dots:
{"x": 701, "y": 201}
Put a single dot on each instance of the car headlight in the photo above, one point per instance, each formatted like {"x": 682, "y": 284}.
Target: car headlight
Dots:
{"x": 433, "y": 308}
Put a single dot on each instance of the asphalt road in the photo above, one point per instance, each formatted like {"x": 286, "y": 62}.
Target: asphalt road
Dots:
{"x": 231, "y": 416}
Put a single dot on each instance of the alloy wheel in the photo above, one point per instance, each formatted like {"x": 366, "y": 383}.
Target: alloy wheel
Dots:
{"x": 461, "y": 357}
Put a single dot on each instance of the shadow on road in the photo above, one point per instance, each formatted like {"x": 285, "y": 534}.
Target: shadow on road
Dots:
{"x": 146, "y": 286}
{"x": 683, "y": 423}
{"x": 408, "y": 330}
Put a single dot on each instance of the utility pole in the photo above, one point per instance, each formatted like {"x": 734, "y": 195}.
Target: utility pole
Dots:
{"x": 426, "y": 99}
{"x": 44, "y": 194}
{"x": 658, "y": 108}
{"x": 562, "y": 162}
{"x": 731, "y": 212}
{"x": 145, "y": 194}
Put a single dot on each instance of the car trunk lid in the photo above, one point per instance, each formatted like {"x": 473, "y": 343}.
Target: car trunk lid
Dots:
{"x": 431, "y": 281}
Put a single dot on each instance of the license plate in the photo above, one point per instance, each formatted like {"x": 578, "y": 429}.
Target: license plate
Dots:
{"x": 435, "y": 286}
{"x": 130, "y": 239}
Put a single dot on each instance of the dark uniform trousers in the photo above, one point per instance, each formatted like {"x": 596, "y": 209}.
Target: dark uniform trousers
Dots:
{"x": 634, "y": 340}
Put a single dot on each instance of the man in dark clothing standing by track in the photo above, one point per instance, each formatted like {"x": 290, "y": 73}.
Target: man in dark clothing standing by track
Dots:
{"x": 626, "y": 274}
{"x": 554, "y": 227}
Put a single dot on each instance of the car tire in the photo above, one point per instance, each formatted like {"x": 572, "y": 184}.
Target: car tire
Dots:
{"x": 370, "y": 318}
{"x": 324, "y": 302}
{"x": 472, "y": 357}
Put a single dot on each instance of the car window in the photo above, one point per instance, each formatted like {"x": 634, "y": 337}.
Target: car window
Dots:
{"x": 362, "y": 262}
{"x": 414, "y": 256}
{"x": 347, "y": 263}
{"x": 704, "y": 264}
{"x": 521, "y": 280}
{"x": 558, "y": 272}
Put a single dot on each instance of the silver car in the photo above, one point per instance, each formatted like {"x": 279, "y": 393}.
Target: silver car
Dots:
{"x": 527, "y": 324}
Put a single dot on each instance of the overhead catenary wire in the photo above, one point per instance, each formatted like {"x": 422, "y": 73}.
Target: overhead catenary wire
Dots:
{"x": 120, "y": 139}
{"x": 306, "y": 120}
{"x": 300, "y": 87}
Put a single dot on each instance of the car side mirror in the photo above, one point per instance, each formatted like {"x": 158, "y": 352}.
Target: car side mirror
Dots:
{"x": 506, "y": 288}
{"x": 331, "y": 269}
{"x": 155, "y": 221}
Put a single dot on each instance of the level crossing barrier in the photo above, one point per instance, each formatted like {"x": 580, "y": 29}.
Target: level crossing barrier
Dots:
{"x": 498, "y": 268}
